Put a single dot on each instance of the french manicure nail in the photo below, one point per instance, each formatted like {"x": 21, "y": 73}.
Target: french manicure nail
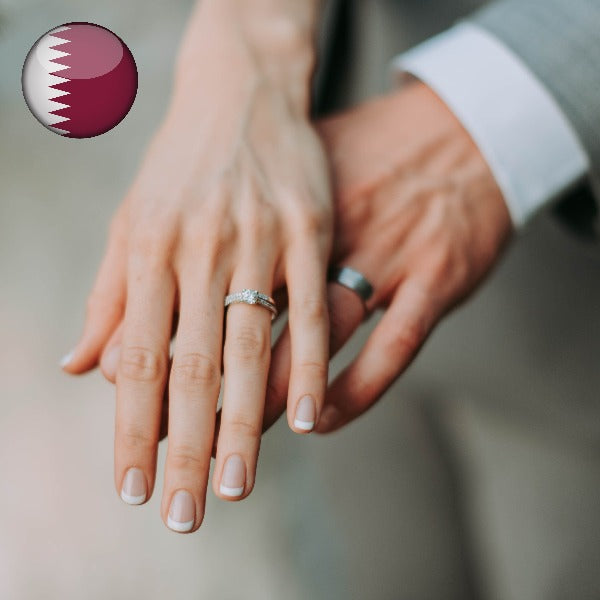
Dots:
{"x": 134, "y": 486}
{"x": 305, "y": 414}
{"x": 233, "y": 479}
{"x": 66, "y": 359}
{"x": 182, "y": 512}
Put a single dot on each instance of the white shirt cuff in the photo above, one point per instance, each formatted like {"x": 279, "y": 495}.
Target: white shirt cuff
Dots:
{"x": 528, "y": 143}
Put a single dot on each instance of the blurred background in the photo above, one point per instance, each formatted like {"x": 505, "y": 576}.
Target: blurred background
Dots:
{"x": 477, "y": 476}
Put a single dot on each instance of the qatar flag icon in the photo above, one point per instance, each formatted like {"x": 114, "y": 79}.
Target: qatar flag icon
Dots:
{"x": 79, "y": 80}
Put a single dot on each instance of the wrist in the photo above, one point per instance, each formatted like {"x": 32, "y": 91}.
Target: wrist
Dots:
{"x": 232, "y": 46}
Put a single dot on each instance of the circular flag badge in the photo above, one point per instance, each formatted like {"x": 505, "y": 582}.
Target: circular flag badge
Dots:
{"x": 79, "y": 80}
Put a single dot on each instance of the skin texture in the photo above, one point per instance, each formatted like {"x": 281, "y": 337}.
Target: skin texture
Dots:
{"x": 233, "y": 193}
{"x": 418, "y": 212}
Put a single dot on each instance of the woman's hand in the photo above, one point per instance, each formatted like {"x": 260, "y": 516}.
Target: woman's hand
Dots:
{"x": 233, "y": 194}
{"x": 418, "y": 212}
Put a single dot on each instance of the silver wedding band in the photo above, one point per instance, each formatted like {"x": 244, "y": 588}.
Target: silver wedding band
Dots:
{"x": 252, "y": 297}
{"x": 353, "y": 280}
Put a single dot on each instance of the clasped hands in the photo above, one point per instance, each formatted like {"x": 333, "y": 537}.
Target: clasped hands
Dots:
{"x": 394, "y": 188}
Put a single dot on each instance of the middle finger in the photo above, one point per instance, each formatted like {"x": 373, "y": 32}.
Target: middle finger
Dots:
{"x": 194, "y": 385}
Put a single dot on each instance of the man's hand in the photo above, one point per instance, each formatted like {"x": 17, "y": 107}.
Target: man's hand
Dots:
{"x": 419, "y": 214}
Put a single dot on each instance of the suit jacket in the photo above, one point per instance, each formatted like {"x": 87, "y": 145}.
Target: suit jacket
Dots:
{"x": 560, "y": 42}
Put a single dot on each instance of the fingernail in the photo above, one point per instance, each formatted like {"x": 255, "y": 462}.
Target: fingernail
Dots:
{"x": 233, "y": 479}
{"x": 182, "y": 512}
{"x": 305, "y": 414}
{"x": 66, "y": 359}
{"x": 134, "y": 486}
{"x": 110, "y": 361}
{"x": 329, "y": 417}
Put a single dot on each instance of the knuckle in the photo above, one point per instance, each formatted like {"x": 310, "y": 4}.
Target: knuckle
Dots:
{"x": 261, "y": 222}
{"x": 135, "y": 438}
{"x": 214, "y": 226}
{"x": 440, "y": 261}
{"x": 314, "y": 217}
{"x": 142, "y": 364}
{"x": 313, "y": 311}
{"x": 241, "y": 426}
{"x": 317, "y": 371}
{"x": 222, "y": 236}
{"x": 195, "y": 368}
{"x": 186, "y": 457}
{"x": 361, "y": 388}
{"x": 210, "y": 239}
{"x": 312, "y": 222}
{"x": 405, "y": 342}
{"x": 451, "y": 266}
{"x": 249, "y": 343}
{"x": 150, "y": 243}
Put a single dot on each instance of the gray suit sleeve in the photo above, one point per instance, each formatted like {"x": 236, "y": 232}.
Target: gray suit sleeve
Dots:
{"x": 559, "y": 40}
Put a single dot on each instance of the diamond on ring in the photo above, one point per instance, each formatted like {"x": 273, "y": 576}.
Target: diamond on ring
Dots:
{"x": 249, "y": 296}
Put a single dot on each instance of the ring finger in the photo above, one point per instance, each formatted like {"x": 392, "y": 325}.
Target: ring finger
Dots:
{"x": 246, "y": 359}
